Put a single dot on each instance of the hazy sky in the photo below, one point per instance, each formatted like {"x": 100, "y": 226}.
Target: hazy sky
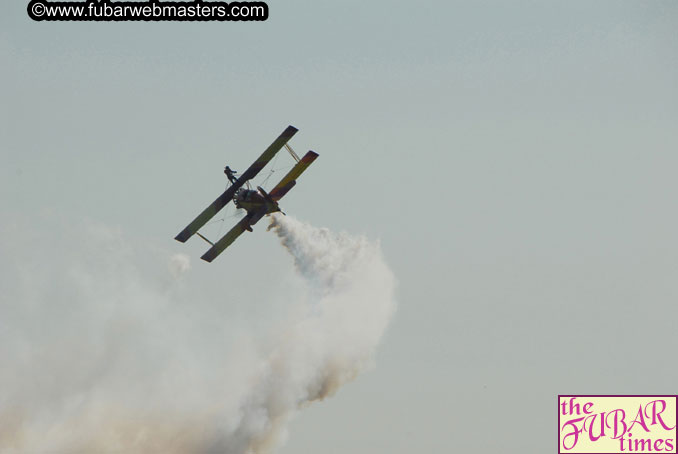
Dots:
{"x": 517, "y": 161}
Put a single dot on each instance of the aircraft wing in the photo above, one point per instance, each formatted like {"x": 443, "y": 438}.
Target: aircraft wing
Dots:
{"x": 267, "y": 155}
{"x": 289, "y": 180}
{"x": 207, "y": 214}
{"x": 221, "y": 201}
{"x": 226, "y": 240}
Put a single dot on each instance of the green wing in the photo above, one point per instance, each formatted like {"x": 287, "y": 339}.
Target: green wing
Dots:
{"x": 207, "y": 214}
{"x": 226, "y": 240}
{"x": 268, "y": 154}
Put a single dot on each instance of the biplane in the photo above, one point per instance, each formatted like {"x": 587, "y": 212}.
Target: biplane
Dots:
{"x": 257, "y": 203}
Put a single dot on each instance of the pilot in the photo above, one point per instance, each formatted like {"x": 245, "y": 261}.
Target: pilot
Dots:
{"x": 230, "y": 174}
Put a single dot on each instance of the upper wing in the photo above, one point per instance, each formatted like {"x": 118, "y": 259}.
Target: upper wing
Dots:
{"x": 248, "y": 174}
{"x": 226, "y": 240}
{"x": 208, "y": 213}
{"x": 268, "y": 154}
{"x": 289, "y": 180}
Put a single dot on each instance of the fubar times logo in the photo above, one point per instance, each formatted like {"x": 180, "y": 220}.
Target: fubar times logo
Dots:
{"x": 607, "y": 424}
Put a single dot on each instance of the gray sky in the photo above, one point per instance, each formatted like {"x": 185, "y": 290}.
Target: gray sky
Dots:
{"x": 517, "y": 160}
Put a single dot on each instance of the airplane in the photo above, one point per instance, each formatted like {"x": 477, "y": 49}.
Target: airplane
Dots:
{"x": 258, "y": 203}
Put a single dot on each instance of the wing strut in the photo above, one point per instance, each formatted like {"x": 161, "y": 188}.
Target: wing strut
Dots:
{"x": 292, "y": 153}
{"x": 201, "y": 236}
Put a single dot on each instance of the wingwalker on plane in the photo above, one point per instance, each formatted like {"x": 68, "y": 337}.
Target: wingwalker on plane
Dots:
{"x": 257, "y": 203}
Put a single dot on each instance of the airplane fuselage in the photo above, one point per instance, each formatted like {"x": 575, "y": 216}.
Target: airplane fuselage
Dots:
{"x": 252, "y": 201}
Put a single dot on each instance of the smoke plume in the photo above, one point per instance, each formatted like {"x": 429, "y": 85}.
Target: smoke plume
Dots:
{"x": 100, "y": 352}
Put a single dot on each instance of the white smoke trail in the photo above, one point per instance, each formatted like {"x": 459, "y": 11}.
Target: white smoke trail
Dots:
{"x": 97, "y": 356}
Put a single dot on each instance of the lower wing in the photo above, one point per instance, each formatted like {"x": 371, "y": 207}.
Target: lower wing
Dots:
{"x": 226, "y": 240}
